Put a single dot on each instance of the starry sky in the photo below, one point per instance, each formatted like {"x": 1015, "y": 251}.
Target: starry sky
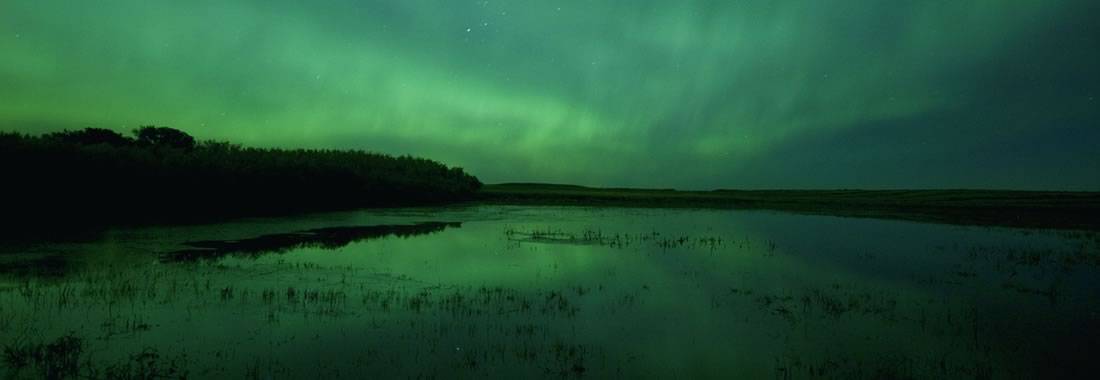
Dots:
{"x": 690, "y": 94}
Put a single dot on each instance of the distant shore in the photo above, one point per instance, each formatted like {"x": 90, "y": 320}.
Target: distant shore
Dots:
{"x": 96, "y": 178}
{"x": 1025, "y": 209}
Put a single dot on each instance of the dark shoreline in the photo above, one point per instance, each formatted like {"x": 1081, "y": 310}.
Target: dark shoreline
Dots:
{"x": 64, "y": 183}
{"x": 996, "y": 208}
{"x": 1003, "y": 208}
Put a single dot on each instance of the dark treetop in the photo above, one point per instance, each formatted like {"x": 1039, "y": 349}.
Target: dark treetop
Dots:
{"x": 95, "y": 176}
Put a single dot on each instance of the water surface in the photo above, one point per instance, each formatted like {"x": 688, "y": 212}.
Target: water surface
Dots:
{"x": 554, "y": 292}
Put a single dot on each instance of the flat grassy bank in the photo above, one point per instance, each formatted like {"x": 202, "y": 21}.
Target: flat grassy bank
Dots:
{"x": 1032, "y": 209}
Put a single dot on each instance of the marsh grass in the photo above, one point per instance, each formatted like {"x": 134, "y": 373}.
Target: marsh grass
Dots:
{"x": 329, "y": 238}
{"x": 619, "y": 240}
{"x": 568, "y": 324}
{"x": 57, "y": 359}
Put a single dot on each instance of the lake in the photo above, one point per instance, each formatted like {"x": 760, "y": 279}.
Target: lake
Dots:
{"x": 560, "y": 292}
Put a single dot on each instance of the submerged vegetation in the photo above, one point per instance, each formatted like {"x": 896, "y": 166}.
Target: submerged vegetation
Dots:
{"x": 652, "y": 239}
{"x": 65, "y": 358}
{"x": 549, "y": 292}
{"x": 163, "y": 174}
{"x": 326, "y": 238}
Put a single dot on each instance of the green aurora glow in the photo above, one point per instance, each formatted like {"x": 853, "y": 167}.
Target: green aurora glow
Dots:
{"x": 688, "y": 94}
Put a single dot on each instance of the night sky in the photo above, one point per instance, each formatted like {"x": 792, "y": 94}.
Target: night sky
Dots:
{"x": 692, "y": 94}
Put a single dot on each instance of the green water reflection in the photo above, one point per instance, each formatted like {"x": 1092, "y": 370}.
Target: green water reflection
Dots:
{"x": 556, "y": 292}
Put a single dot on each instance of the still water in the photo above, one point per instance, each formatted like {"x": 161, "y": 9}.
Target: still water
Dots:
{"x": 554, "y": 292}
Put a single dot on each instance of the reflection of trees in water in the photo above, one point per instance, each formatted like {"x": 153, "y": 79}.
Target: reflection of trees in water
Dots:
{"x": 325, "y": 238}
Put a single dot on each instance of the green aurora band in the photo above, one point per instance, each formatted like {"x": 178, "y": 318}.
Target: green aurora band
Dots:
{"x": 691, "y": 94}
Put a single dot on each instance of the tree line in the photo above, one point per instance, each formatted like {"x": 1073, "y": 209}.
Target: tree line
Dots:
{"x": 164, "y": 174}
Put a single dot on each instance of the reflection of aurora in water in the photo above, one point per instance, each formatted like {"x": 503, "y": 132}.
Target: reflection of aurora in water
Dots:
{"x": 549, "y": 292}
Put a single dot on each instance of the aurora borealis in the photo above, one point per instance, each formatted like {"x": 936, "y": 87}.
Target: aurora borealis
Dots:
{"x": 691, "y": 94}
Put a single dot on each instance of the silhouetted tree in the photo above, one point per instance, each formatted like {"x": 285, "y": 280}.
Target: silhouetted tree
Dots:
{"x": 163, "y": 136}
{"x": 100, "y": 176}
{"x": 92, "y": 136}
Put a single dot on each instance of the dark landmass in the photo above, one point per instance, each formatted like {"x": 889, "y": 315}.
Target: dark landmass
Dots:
{"x": 1030, "y": 209}
{"x": 324, "y": 238}
{"x": 61, "y": 183}
{"x": 95, "y": 177}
